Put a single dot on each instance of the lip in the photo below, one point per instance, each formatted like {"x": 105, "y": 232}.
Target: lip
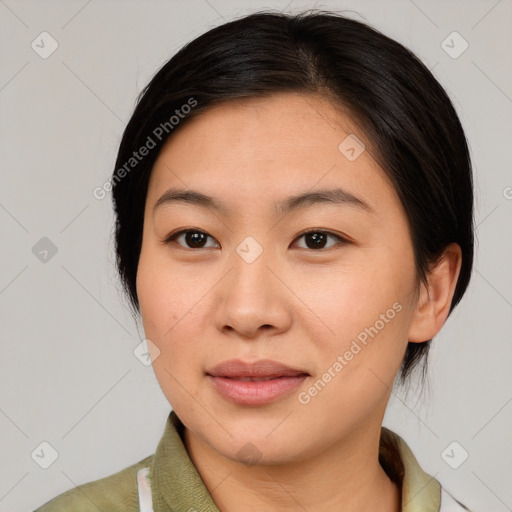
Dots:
{"x": 235, "y": 380}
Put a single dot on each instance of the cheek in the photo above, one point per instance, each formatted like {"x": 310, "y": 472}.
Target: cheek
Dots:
{"x": 172, "y": 308}
{"x": 367, "y": 309}
{"x": 351, "y": 298}
{"x": 166, "y": 298}
{"x": 358, "y": 364}
{"x": 162, "y": 298}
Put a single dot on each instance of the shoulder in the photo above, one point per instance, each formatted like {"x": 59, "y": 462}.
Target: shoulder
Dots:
{"x": 115, "y": 493}
{"x": 420, "y": 490}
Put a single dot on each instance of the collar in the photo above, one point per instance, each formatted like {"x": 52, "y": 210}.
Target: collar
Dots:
{"x": 177, "y": 485}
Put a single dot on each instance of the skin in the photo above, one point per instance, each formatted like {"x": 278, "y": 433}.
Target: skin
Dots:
{"x": 294, "y": 304}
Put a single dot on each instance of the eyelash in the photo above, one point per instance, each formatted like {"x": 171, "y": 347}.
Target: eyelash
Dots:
{"x": 341, "y": 240}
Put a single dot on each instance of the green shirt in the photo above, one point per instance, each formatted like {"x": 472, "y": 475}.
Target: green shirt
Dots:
{"x": 177, "y": 486}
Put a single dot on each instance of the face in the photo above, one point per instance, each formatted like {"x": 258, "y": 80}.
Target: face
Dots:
{"x": 277, "y": 325}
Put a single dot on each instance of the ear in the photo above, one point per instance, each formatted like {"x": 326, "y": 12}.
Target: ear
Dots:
{"x": 436, "y": 296}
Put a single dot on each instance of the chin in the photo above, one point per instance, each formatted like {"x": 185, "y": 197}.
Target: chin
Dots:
{"x": 261, "y": 443}
{"x": 261, "y": 452}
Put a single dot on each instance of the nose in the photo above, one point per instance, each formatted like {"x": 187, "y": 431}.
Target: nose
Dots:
{"x": 252, "y": 299}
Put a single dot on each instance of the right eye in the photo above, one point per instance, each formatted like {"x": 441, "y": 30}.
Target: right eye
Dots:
{"x": 195, "y": 238}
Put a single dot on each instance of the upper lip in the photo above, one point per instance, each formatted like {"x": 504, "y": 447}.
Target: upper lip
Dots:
{"x": 263, "y": 368}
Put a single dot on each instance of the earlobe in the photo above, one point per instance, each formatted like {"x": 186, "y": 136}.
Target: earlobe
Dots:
{"x": 436, "y": 295}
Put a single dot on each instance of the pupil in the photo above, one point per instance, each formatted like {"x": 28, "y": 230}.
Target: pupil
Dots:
{"x": 194, "y": 239}
{"x": 318, "y": 240}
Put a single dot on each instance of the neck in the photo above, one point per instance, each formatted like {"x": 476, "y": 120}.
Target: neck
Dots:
{"x": 345, "y": 477}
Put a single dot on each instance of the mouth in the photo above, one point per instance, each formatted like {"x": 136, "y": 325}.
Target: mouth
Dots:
{"x": 257, "y": 383}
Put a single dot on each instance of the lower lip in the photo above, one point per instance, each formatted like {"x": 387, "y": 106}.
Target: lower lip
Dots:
{"x": 244, "y": 392}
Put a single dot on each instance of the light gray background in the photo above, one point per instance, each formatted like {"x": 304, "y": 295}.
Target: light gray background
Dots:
{"x": 68, "y": 375}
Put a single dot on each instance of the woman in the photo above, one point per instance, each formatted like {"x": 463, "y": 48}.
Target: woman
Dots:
{"x": 294, "y": 224}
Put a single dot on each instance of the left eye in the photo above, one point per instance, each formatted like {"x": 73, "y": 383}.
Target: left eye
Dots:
{"x": 196, "y": 239}
{"x": 317, "y": 239}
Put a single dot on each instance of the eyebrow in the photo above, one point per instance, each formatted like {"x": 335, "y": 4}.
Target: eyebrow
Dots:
{"x": 283, "y": 207}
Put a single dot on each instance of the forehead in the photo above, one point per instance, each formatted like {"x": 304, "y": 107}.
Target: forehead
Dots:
{"x": 269, "y": 147}
{"x": 282, "y": 121}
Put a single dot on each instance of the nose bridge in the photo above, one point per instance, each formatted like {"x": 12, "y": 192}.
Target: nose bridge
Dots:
{"x": 251, "y": 296}
{"x": 250, "y": 274}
